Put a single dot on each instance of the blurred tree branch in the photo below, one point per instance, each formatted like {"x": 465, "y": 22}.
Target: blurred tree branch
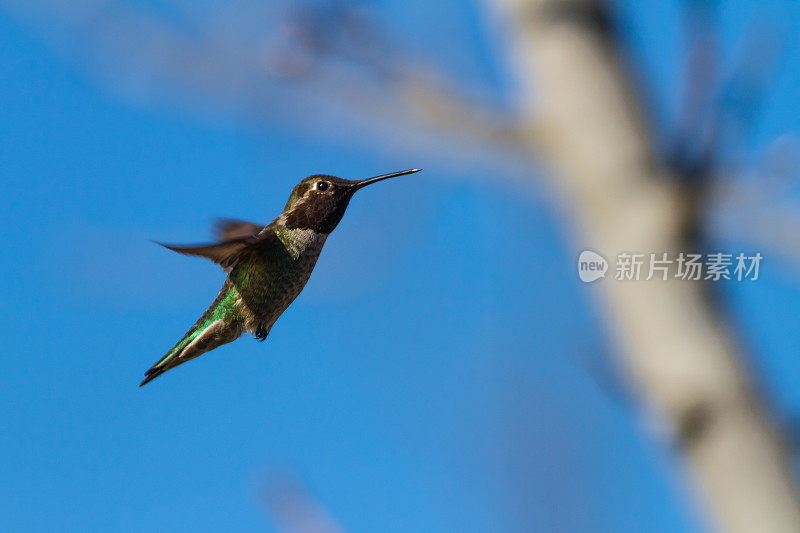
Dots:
{"x": 322, "y": 57}
{"x": 676, "y": 349}
{"x": 293, "y": 508}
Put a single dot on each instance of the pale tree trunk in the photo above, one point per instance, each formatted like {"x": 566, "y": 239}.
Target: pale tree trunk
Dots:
{"x": 675, "y": 349}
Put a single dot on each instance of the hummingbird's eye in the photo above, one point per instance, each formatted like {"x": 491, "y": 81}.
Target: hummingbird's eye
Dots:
{"x": 323, "y": 185}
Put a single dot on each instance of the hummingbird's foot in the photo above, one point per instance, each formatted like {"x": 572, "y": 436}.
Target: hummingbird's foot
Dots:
{"x": 261, "y": 333}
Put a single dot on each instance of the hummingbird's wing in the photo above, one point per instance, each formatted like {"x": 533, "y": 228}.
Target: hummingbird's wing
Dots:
{"x": 227, "y": 229}
{"x": 225, "y": 254}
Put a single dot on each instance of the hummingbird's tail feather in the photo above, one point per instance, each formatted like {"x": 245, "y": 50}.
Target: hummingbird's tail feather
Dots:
{"x": 208, "y": 333}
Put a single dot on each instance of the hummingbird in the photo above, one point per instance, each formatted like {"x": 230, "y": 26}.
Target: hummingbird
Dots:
{"x": 267, "y": 266}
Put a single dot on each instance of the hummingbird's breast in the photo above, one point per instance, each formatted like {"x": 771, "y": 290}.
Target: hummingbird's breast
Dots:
{"x": 275, "y": 283}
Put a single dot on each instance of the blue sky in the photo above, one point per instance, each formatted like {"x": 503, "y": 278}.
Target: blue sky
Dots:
{"x": 431, "y": 377}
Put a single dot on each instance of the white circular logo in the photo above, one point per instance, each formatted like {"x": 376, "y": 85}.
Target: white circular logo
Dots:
{"x": 591, "y": 266}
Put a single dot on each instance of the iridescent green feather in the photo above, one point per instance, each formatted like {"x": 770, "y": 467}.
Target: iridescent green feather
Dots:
{"x": 224, "y": 308}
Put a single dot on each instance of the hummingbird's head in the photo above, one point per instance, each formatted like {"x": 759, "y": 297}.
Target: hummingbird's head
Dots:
{"x": 319, "y": 201}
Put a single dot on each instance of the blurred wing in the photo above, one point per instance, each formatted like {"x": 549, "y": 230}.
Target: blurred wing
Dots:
{"x": 228, "y": 253}
{"x": 225, "y": 254}
{"x": 227, "y": 229}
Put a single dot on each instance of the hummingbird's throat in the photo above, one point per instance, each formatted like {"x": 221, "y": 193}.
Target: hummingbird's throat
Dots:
{"x": 301, "y": 241}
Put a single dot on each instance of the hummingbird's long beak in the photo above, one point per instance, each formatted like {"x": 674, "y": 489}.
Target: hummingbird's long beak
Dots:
{"x": 363, "y": 183}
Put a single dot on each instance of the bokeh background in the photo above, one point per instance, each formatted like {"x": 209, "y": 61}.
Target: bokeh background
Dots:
{"x": 444, "y": 369}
